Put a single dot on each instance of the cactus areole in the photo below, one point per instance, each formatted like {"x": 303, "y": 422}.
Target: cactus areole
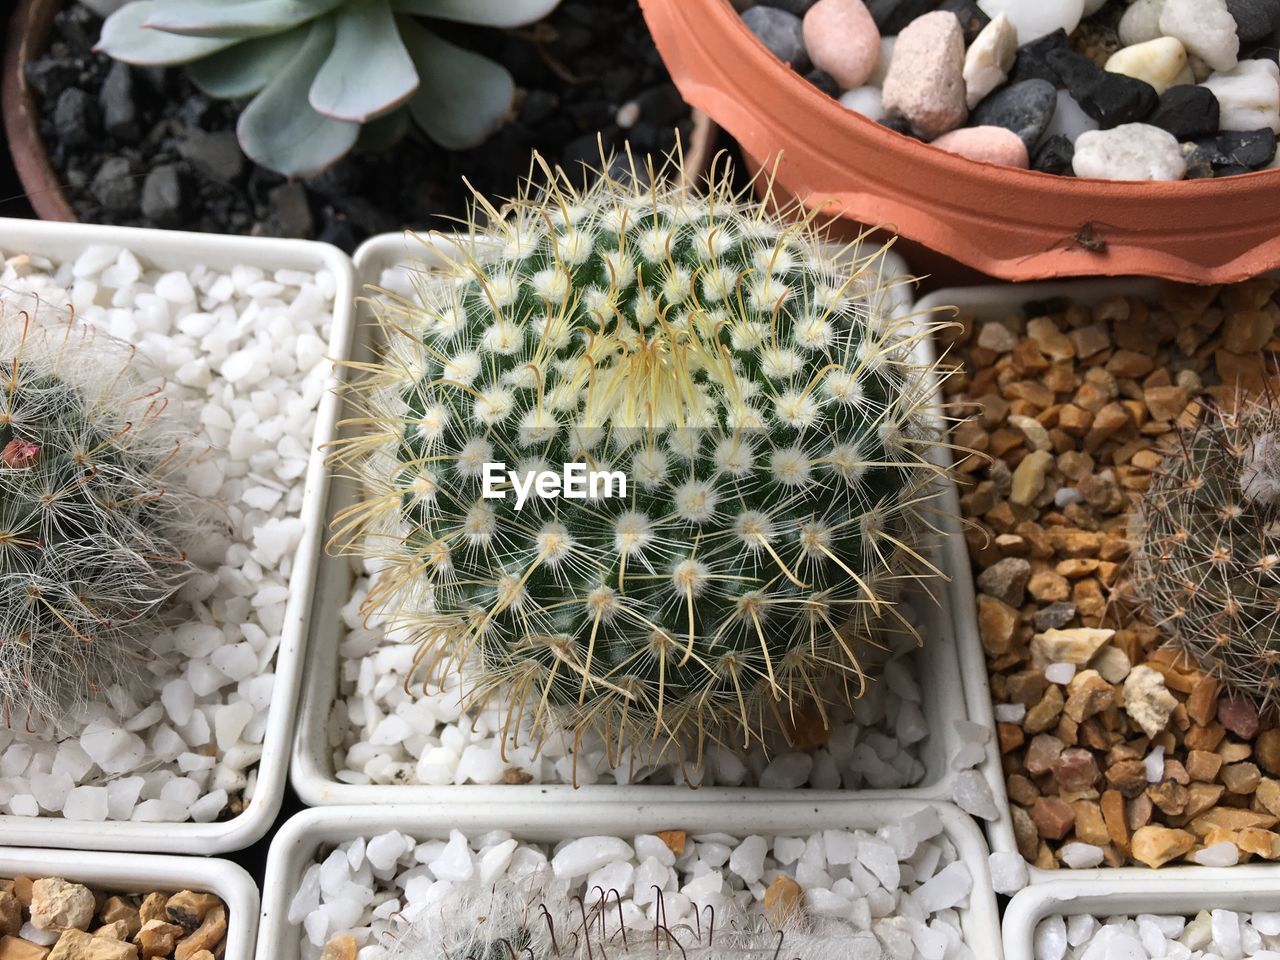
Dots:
{"x": 753, "y": 389}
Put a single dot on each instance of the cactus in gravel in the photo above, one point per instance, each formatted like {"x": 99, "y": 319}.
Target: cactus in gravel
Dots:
{"x": 88, "y": 511}
{"x": 535, "y": 920}
{"x": 1207, "y": 538}
{"x": 747, "y": 385}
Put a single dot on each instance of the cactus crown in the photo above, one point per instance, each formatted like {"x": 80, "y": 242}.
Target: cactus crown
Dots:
{"x": 1207, "y": 532}
{"x": 751, "y": 385}
{"x": 87, "y": 512}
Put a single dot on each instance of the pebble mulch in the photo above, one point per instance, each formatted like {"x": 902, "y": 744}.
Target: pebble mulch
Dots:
{"x": 1149, "y": 90}
{"x": 1116, "y": 750}
{"x": 51, "y": 919}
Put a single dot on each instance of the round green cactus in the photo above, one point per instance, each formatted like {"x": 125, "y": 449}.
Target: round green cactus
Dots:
{"x": 1207, "y": 537}
{"x": 88, "y": 513}
{"x": 746, "y": 384}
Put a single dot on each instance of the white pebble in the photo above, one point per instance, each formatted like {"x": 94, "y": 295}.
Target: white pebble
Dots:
{"x": 1060, "y": 673}
{"x": 1081, "y": 856}
{"x": 1205, "y": 27}
{"x": 1037, "y": 19}
{"x": 1248, "y": 95}
{"x": 1131, "y": 151}
{"x": 579, "y": 857}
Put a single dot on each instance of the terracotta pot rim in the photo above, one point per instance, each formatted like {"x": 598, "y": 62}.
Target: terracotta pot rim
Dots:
{"x": 814, "y": 100}
{"x": 29, "y": 28}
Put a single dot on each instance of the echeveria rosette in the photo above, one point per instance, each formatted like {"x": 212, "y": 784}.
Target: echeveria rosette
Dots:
{"x": 758, "y": 390}
{"x": 319, "y": 70}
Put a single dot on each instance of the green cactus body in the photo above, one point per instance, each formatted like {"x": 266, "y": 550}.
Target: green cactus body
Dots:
{"x": 747, "y": 382}
{"x": 86, "y": 513}
{"x": 1207, "y": 536}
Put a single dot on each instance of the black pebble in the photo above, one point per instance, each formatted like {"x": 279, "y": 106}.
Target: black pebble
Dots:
{"x": 1255, "y": 19}
{"x": 898, "y": 124}
{"x": 824, "y": 82}
{"x": 1251, "y": 149}
{"x": 781, "y": 32}
{"x": 115, "y": 187}
{"x": 1032, "y": 62}
{"x": 1054, "y": 155}
{"x": 1237, "y": 151}
{"x": 971, "y": 16}
{"x": 119, "y": 113}
{"x": 661, "y": 104}
{"x": 891, "y": 16}
{"x": 1025, "y": 108}
{"x": 75, "y": 118}
{"x": 162, "y": 200}
{"x": 1187, "y": 111}
{"x": 1110, "y": 98}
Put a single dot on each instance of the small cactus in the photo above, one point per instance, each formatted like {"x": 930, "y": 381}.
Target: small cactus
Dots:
{"x": 88, "y": 510}
{"x": 1207, "y": 539}
{"x": 535, "y": 919}
{"x": 750, "y": 384}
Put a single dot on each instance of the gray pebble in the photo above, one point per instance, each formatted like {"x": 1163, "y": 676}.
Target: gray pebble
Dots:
{"x": 1025, "y": 108}
{"x": 781, "y": 32}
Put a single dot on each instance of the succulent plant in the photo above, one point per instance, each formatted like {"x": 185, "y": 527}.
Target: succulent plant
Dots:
{"x": 89, "y": 512}
{"x": 1207, "y": 537}
{"x": 318, "y": 70}
{"x": 754, "y": 390}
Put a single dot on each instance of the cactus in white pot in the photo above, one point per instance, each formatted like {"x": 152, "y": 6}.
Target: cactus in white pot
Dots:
{"x": 748, "y": 411}
{"x": 93, "y": 514}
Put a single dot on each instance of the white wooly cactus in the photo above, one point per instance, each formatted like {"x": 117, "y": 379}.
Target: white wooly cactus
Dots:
{"x": 93, "y": 516}
{"x": 537, "y": 919}
{"x": 754, "y": 387}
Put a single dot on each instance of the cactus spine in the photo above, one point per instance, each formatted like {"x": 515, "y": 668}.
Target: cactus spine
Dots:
{"x": 535, "y": 919}
{"x": 750, "y": 383}
{"x": 1207, "y": 532}
{"x": 88, "y": 512}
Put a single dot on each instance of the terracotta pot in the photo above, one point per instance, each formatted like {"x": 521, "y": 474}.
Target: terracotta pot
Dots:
{"x": 1014, "y": 224}
{"x": 29, "y": 29}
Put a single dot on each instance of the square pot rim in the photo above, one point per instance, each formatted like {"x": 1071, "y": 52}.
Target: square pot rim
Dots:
{"x": 303, "y": 834}
{"x": 314, "y": 780}
{"x": 994, "y": 301}
{"x": 174, "y": 250}
{"x": 1100, "y": 893}
{"x": 113, "y": 872}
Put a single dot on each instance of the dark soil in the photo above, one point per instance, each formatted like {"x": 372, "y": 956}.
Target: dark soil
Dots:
{"x": 143, "y": 147}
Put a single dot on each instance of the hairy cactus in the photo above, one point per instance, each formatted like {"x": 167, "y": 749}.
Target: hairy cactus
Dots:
{"x": 318, "y": 70}
{"x": 1207, "y": 536}
{"x": 535, "y": 920}
{"x": 750, "y": 409}
{"x": 88, "y": 512}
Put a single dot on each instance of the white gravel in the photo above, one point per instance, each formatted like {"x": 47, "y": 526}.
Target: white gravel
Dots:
{"x": 385, "y": 735}
{"x": 382, "y": 735}
{"x": 1210, "y": 935}
{"x": 244, "y": 353}
{"x": 893, "y": 894}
